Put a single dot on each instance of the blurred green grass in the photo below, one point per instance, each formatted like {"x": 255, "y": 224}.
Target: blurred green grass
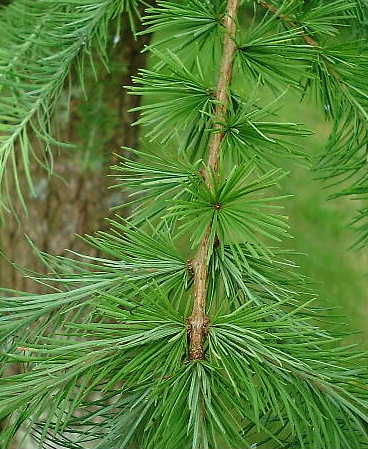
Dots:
{"x": 320, "y": 231}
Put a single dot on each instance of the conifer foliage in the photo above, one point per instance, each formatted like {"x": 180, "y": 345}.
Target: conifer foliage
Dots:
{"x": 193, "y": 329}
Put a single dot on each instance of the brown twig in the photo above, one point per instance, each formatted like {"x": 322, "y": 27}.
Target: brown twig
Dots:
{"x": 307, "y": 39}
{"x": 198, "y": 321}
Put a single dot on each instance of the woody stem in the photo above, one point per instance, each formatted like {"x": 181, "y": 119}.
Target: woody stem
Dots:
{"x": 198, "y": 321}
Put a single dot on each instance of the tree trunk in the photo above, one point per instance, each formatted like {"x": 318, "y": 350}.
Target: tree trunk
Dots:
{"x": 76, "y": 199}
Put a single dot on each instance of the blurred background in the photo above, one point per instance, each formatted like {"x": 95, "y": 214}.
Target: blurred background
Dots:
{"x": 321, "y": 232}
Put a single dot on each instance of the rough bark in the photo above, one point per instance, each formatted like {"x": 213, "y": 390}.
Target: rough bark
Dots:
{"x": 76, "y": 199}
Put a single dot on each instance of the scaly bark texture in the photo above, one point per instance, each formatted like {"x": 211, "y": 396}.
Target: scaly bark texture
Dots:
{"x": 76, "y": 199}
{"x": 198, "y": 321}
